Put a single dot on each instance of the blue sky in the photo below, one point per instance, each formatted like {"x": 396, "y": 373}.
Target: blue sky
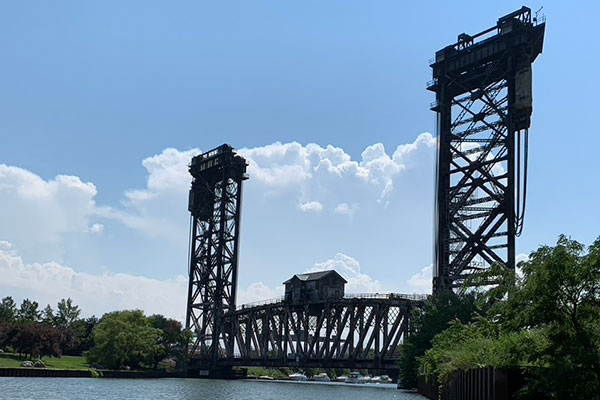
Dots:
{"x": 90, "y": 90}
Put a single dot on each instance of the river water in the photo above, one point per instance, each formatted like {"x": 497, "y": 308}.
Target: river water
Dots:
{"x": 188, "y": 389}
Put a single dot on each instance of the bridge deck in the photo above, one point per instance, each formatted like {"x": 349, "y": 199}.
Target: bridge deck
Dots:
{"x": 357, "y": 331}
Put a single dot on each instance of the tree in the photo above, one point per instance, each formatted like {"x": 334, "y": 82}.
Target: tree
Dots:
{"x": 8, "y": 310}
{"x": 26, "y": 340}
{"x": 125, "y": 338}
{"x": 28, "y": 311}
{"x": 37, "y": 340}
{"x": 66, "y": 313}
{"x": 84, "y": 333}
{"x": 433, "y": 318}
{"x": 549, "y": 325}
{"x": 479, "y": 344}
{"x": 67, "y": 340}
{"x": 174, "y": 338}
{"x": 7, "y": 331}
{"x": 560, "y": 293}
{"x": 48, "y": 315}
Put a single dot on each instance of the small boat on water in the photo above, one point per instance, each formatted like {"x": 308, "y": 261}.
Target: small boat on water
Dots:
{"x": 341, "y": 378}
{"x": 385, "y": 379}
{"x": 375, "y": 379}
{"x": 322, "y": 377}
{"x": 297, "y": 377}
{"x": 266, "y": 377}
{"x": 356, "y": 377}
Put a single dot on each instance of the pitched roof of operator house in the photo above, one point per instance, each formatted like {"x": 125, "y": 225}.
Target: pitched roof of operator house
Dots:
{"x": 314, "y": 276}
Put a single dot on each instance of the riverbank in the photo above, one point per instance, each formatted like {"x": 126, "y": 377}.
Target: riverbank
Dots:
{"x": 12, "y": 360}
{"x": 87, "y": 373}
{"x": 70, "y": 367}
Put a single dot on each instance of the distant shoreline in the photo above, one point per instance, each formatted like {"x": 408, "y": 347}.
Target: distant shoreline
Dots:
{"x": 87, "y": 373}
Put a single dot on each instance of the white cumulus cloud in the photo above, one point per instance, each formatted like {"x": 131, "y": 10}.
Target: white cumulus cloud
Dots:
{"x": 311, "y": 206}
{"x": 36, "y": 214}
{"x": 257, "y": 292}
{"x": 156, "y": 210}
{"x": 346, "y": 209}
{"x": 349, "y": 268}
{"x": 421, "y": 282}
{"x": 97, "y": 228}
{"x": 47, "y": 283}
{"x": 382, "y": 193}
{"x": 303, "y": 169}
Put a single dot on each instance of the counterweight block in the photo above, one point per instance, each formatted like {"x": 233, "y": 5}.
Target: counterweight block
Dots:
{"x": 484, "y": 102}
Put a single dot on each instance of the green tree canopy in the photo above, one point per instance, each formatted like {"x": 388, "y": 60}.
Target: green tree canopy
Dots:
{"x": 48, "y": 315}
{"x": 83, "y": 330}
{"x": 125, "y": 338}
{"x": 548, "y": 325}
{"x": 171, "y": 331}
{"x": 560, "y": 293}
{"x": 433, "y": 318}
{"x": 66, "y": 313}
{"x": 29, "y": 311}
{"x": 8, "y": 310}
{"x": 174, "y": 338}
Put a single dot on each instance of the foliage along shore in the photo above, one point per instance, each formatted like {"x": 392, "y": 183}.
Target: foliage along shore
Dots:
{"x": 543, "y": 320}
{"x": 120, "y": 340}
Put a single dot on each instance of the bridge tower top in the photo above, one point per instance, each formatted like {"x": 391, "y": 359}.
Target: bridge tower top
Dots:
{"x": 484, "y": 102}
{"x": 215, "y": 200}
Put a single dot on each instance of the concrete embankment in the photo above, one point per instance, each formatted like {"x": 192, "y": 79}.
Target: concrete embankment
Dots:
{"x": 67, "y": 373}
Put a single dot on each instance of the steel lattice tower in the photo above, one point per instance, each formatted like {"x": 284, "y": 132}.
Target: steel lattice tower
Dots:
{"x": 215, "y": 205}
{"x": 483, "y": 89}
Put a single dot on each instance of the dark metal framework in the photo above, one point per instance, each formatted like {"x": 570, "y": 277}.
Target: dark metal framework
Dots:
{"x": 352, "y": 332}
{"x": 357, "y": 331}
{"x": 215, "y": 206}
{"x": 483, "y": 105}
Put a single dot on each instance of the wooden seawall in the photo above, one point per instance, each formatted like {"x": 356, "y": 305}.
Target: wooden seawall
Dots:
{"x": 476, "y": 384}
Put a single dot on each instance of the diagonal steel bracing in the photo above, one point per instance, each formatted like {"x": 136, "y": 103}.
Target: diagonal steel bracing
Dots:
{"x": 352, "y": 332}
{"x": 215, "y": 200}
{"x": 483, "y": 105}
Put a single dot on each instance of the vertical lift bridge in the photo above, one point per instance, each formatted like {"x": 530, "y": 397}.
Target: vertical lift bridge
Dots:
{"x": 483, "y": 87}
{"x": 484, "y": 104}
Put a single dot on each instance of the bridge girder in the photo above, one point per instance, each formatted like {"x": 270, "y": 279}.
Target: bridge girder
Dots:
{"x": 345, "y": 333}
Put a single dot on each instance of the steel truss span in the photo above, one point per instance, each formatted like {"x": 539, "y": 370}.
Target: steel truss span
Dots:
{"x": 358, "y": 331}
{"x": 215, "y": 206}
{"x": 483, "y": 89}
{"x": 351, "y": 332}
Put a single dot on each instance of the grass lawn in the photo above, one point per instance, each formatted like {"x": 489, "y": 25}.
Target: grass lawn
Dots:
{"x": 11, "y": 360}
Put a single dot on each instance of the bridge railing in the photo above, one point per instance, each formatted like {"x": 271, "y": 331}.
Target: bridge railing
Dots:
{"x": 414, "y": 297}
{"x": 260, "y": 303}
